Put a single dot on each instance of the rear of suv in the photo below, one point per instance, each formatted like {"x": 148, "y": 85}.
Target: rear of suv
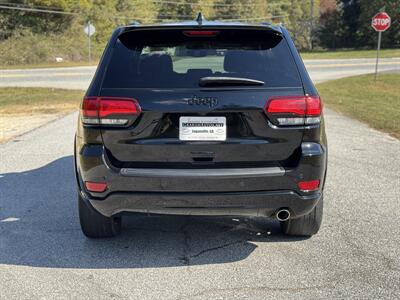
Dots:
{"x": 207, "y": 118}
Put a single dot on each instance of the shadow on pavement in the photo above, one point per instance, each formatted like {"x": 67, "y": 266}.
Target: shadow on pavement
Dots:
{"x": 39, "y": 227}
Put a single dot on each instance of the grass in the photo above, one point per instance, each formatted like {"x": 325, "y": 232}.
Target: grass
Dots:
{"x": 360, "y": 97}
{"x": 38, "y": 100}
{"x": 343, "y": 54}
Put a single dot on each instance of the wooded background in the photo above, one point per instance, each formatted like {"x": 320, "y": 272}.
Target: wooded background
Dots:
{"x": 28, "y": 34}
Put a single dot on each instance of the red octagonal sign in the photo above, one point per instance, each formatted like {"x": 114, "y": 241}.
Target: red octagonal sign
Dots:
{"x": 381, "y": 21}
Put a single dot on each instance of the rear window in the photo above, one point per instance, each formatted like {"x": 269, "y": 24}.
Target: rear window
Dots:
{"x": 176, "y": 59}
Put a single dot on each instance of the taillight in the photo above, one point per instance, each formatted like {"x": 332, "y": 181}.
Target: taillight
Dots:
{"x": 109, "y": 110}
{"x": 201, "y": 33}
{"x": 294, "y": 110}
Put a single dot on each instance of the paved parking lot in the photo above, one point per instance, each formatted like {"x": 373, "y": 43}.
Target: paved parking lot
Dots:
{"x": 43, "y": 253}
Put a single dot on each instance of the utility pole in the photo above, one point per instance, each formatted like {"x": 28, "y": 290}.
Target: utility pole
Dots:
{"x": 311, "y": 23}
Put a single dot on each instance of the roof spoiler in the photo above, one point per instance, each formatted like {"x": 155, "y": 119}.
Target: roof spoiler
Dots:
{"x": 201, "y": 21}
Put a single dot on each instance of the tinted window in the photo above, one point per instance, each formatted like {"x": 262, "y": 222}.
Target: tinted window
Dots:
{"x": 170, "y": 59}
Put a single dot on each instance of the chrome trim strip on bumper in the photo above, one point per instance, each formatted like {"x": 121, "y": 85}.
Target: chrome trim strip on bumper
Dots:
{"x": 220, "y": 173}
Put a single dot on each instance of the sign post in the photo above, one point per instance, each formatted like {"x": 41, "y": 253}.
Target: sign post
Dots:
{"x": 380, "y": 22}
{"x": 89, "y": 30}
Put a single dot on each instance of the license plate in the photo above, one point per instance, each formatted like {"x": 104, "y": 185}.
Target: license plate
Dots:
{"x": 202, "y": 128}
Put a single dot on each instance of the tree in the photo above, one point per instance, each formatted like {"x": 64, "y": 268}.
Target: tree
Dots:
{"x": 15, "y": 21}
{"x": 366, "y": 34}
{"x": 255, "y": 10}
{"x": 299, "y": 17}
{"x": 143, "y": 11}
{"x": 330, "y": 33}
{"x": 350, "y": 25}
{"x": 176, "y": 11}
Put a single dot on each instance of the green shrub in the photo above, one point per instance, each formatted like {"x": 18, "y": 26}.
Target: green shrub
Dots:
{"x": 25, "y": 47}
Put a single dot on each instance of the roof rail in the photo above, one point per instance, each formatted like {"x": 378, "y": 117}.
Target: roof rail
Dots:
{"x": 134, "y": 22}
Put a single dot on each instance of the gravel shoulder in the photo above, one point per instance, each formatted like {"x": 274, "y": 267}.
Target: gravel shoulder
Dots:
{"x": 13, "y": 126}
{"x": 24, "y": 109}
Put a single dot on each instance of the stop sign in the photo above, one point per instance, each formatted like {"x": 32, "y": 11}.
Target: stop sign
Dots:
{"x": 381, "y": 22}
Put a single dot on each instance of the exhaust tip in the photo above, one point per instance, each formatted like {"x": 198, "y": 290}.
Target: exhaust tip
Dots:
{"x": 282, "y": 215}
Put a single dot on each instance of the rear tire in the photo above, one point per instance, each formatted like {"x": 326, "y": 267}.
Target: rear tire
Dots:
{"x": 94, "y": 224}
{"x": 306, "y": 225}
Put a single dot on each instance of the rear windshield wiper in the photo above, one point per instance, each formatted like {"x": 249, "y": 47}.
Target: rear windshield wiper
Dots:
{"x": 228, "y": 81}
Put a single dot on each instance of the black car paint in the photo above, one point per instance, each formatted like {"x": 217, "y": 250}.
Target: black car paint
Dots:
{"x": 261, "y": 195}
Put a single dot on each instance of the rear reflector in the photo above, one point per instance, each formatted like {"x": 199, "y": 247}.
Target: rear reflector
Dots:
{"x": 294, "y": 110}
{"x": 308, "y": 186}
{"x": 97, "y": 187}
{"x": 200, "y": 33}
{"x": 109, "y": 110}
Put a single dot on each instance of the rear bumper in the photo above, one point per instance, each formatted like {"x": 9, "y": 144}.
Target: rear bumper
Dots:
{"x": 236, "y": 192}
{"x": 263, "y": 203}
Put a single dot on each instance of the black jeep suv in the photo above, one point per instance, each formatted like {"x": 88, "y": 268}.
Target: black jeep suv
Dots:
{"x": 201, "y": 118}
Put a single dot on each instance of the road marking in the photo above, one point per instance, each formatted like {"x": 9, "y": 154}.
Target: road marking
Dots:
{"x": 349, "y": 65}
{"x": 10, "y": 219}
{"x": 43, "y": 75}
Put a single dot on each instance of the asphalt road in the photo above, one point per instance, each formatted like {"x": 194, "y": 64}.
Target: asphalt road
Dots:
{"x": 79, "y": 77}
{"x": 43, "y": 253}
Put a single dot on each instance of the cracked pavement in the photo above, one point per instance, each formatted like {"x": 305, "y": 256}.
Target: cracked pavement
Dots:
{"x": 43, "y": 253}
